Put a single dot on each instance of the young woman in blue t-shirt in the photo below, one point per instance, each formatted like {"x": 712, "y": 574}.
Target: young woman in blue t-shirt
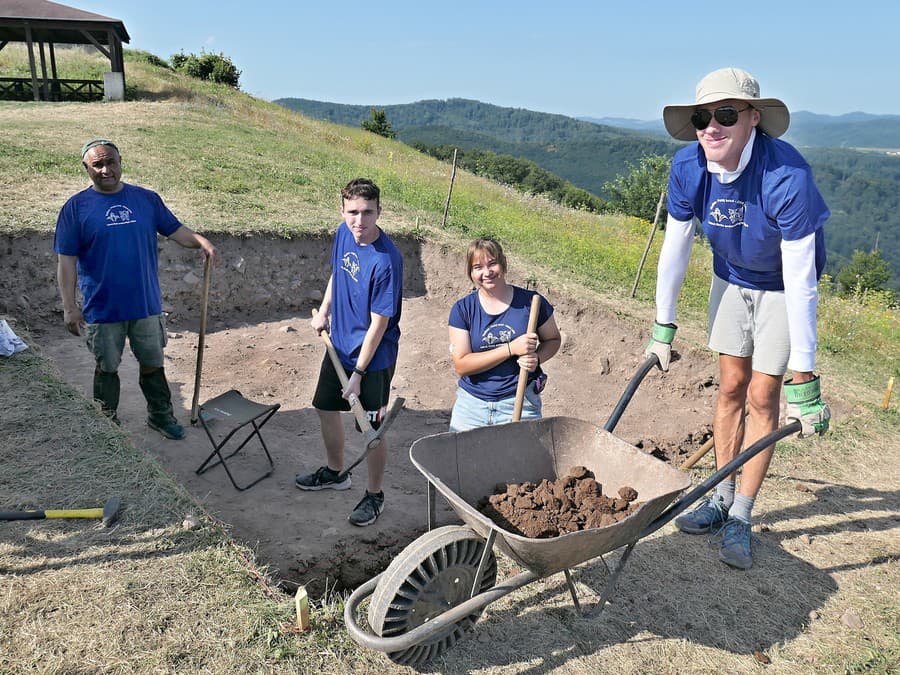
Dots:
{"x": 490, "y": 343}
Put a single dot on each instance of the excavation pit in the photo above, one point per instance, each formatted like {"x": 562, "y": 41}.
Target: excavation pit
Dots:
{"x": 259, "y": 342}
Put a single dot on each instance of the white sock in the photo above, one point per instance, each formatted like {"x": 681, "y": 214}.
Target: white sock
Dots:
{"x": 725, "y": 493}
{"x": 741, "y": 508}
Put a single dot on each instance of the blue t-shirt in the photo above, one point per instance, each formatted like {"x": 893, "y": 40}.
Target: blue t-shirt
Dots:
{"x": 365, "y": 280}
{"x": 774, "y": 198}
{"x": 486, "y": 331}
{"x": 114, "y": 238}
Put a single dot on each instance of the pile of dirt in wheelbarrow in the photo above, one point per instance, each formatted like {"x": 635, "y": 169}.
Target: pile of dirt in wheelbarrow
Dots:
{"x": 548, "y": 509}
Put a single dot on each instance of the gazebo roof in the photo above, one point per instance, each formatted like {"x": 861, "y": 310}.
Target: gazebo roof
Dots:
{"x": 55, "y": 23}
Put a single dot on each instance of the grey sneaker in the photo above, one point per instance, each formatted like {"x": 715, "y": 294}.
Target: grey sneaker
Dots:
{"x": 368, "y": 509}
{"x": 709, "y": 515}
{"x": 735, "y": 547}
{"x": 171, "y": 430}
{"x": 322, "y": 478}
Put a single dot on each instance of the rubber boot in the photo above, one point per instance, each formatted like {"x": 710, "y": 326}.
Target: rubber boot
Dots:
{"x": 106, "y": 392}
{"x": 160, "y": 415}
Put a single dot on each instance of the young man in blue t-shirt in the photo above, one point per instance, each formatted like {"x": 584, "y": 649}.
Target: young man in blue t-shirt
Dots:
{"x": 760, "y": 209}
{"x": 106, "y": 242}
{"x": 361, "y": 305}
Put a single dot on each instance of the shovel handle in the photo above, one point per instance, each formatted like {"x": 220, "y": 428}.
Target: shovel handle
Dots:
{"x": 201, "y": 338}
{"x": 697, "y": 456}
{"x": 523, "y": 372}
{"x": 358, "y": 412}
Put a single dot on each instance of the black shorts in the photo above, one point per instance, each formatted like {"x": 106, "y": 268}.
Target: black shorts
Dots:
{"x": 374, "y": 394}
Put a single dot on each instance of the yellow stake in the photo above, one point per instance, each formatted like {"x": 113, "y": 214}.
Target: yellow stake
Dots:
{"x": 886, "y": 403}
{"x": 301, "y": 600}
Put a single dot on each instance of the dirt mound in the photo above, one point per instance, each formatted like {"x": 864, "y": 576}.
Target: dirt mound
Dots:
{"x": 550, "y": 508}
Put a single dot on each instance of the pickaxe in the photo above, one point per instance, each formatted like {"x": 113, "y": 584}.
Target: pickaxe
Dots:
{"x": 108, "y": 513}
{"x": 371, "y": 437}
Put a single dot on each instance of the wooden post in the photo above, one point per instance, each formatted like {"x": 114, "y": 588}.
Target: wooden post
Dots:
{"x": 637, "y": 277}
{"x": 450, "y": 191}
{"x": 886, "y": 403}
{"x": 36, "y": 92}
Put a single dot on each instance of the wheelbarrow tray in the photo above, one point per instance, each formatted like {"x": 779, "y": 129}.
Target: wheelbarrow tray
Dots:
{"x": 466, "y": 466}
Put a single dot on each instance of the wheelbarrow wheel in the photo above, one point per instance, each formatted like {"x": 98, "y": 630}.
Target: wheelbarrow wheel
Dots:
{"x": 430, "y": 576}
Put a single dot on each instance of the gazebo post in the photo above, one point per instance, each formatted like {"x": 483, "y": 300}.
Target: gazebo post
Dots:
{"x": 34, "y": 86}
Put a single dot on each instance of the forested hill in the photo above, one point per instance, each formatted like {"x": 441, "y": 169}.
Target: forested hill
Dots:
{"x": 584, "y": 153}
{"x": 862, "y": 189}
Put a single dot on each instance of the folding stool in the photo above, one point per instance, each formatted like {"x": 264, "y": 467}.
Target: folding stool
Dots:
{"x": 227, "y": 414}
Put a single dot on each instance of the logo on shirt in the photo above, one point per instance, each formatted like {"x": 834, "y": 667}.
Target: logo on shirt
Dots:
{"x": 727, "y": 213}
{"x": 497, "y": 334}
{"x": 350, "y": 264}
{"x": 119, "y": 215}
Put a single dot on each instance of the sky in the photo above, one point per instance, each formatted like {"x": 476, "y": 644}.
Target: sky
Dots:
{"x": 581, "y": 58}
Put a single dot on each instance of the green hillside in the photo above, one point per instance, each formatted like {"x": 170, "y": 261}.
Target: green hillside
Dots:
{"x": 585, "y": 154}
{"x": 861, "y": 188}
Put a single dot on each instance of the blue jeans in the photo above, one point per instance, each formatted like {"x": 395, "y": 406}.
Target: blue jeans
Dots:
{"x": 470, "y": 412}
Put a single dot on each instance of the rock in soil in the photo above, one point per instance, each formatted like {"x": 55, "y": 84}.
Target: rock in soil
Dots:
{"x": 548, "y": 509}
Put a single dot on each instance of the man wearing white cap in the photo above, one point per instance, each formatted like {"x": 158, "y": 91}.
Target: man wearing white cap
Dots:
{"x": 760, "y": 209}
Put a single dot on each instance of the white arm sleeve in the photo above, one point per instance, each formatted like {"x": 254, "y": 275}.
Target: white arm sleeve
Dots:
{"x": 673, "y": 263}
{"x": 801, "y": 295}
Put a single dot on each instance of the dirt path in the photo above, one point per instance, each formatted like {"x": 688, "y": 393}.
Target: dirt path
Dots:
{"x": 259, "y": 342}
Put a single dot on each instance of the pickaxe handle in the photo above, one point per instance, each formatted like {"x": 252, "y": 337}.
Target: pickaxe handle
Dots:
{"x": 355, "y": 406}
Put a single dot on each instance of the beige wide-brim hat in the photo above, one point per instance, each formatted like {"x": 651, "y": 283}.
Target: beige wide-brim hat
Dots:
{"x": 720, "y": 85}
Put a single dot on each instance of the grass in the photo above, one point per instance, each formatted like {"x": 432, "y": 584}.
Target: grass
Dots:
{"x": 149, "y": 596}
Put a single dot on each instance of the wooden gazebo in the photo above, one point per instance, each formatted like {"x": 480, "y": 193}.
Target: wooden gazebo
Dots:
{"x": 41, "y": 25}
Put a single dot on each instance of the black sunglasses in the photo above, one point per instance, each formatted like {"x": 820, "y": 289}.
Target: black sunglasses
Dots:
{"x": 726, "y": 115}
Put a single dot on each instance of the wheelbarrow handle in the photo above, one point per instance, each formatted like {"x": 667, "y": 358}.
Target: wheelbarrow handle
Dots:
{"x": 648, "y": 365}
{"x": 720, "y": 475}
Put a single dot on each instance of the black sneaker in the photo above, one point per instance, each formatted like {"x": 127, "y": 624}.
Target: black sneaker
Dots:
{"x": 368, "y": 509}
{"x": 171, "y": 430}
{"x": 322, "y": 479}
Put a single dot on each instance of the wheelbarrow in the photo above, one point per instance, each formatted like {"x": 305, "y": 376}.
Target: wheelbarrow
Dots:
{"x": 433, "y": 592}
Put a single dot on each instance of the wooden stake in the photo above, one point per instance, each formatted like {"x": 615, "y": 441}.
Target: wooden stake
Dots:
{"x": 886, "y": 403}
{"x": 637, "y": 277}
{"x": 450, "y": 191}
{"x": 301, "y": 601}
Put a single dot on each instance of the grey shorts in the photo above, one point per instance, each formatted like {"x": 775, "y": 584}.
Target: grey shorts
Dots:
{"x": 146, "y": 337}
{"x": 744, "y": 322}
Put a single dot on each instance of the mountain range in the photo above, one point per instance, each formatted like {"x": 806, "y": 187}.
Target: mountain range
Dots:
{"x": 851, "y": 130}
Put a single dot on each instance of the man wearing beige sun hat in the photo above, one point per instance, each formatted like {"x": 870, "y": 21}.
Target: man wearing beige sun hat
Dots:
{"x": 763, "y": 216}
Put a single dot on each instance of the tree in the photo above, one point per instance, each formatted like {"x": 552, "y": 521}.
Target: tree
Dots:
{"x": 212, "y": 67}
{"x": 866, "y": 271}
{"x": 637, "y": 194}
{"x": 378, "y": 124}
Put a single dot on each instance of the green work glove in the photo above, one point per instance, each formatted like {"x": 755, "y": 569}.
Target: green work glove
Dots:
{"x": 661, "y": 343}
{"x": 805, "y": 404}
